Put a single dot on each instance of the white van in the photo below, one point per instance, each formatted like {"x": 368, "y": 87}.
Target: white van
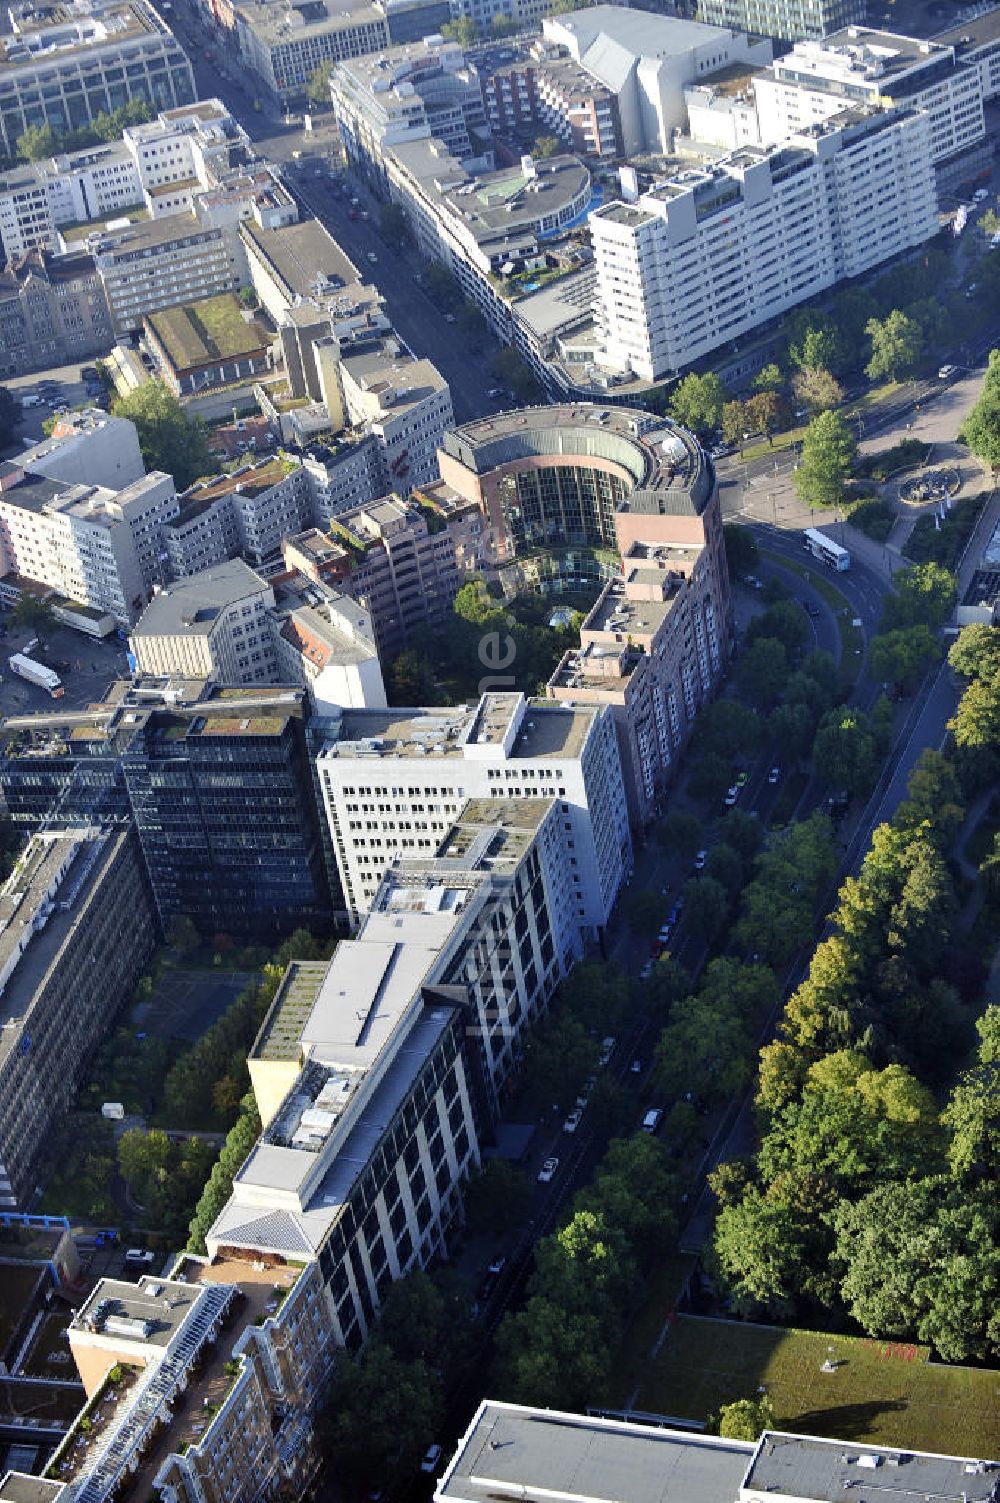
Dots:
{"x": 138, "y": 1257}
{"x": 652, "y": 1120}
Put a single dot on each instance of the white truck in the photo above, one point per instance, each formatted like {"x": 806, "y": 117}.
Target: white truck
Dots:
{"x": 36, "y": 673}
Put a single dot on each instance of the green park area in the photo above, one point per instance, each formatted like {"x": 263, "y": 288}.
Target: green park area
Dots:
{"x": 177, "y": 1064}
{"x": 881, "y": 1392}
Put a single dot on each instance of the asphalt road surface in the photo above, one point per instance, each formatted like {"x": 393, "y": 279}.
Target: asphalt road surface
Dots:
{"x": 416, "y": 319}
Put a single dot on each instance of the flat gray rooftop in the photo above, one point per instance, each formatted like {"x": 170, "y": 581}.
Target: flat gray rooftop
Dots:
{"x": 387, "y": 366}
{"x": 192, "y": 605}
{"x": 637, "y": 31}
{"x": 546, "y": 730}
{"x": 978, "y": 31}
{"x": 545, "y": 1455}
{"x": 24, "y": 898}
{"x": 32, "y": 492}
{"x": 804, "y": 1466}
{"x": 18, "y": 1487}
{"x": 303, "y": 255}
{"x": 895, "y": 51}
{"x": 150, "y": 234}
{"x": 163, "y": 1303}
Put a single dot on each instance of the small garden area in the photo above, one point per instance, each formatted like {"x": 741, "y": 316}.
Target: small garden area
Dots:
{"x": 874, "y": 517}
{"x": 902, "y": 456}
{"x": 944, "y": 543}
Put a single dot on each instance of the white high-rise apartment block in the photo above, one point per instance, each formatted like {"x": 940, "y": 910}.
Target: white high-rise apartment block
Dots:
{"x": 79, "y": 514}
{"x": 391, "y": 781}
{"x": 90, "y": 544}
{"x": 856, "y": 66}
{"x": 712, "y": 253}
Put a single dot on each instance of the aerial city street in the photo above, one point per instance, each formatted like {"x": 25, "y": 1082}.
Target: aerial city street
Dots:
{"x": 499, "y": 751}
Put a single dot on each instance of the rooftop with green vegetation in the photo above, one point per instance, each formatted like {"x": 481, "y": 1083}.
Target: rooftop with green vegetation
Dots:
{"x": 251, "y": 480}
{"x": 212, "y": 329}
{"x": 881, "y": 1392}
{"x": 281, "y": 1030}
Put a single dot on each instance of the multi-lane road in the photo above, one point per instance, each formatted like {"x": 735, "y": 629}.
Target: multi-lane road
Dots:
{"x": 415, "y": 318}
{"x": 306, "y": 158}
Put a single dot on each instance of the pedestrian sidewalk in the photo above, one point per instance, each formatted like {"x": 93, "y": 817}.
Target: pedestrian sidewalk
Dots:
{"x": 882, "y": 558}
{"x": 985, "y": 528}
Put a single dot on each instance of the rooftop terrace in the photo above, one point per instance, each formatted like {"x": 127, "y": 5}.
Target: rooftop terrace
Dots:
{"x": 251, "y": 480}
{"x": 622, "y": 617}
{"x": 170, "y": 1404}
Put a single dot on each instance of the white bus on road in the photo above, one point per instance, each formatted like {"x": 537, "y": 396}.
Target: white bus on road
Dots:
{"x": 822, "y": 547}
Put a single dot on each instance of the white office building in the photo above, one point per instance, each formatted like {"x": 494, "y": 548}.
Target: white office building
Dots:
{"x": 35, "y": 199}
{"x": 230, "y": 625}
{"x": 282, "y": 46}
{"x": 857, "y": 67}
{"x": 405, "y": 403}
{"x": 163, "y": 263}
{"x": 392, "y": 781}
{"x": 647, "y": 61}
{"x": 210, "y": 625}
{"x": 374, "y": 1075}
{"x": 248, "y": 511}
{"x": 717, "y": 251}
{"x": 89, "y": 447}
{"x": 514, "y": 1451}
{"x": 79, "y": 514}
{"x": 92, "y": 545}
{"x": 165, "y": 166}
{"x": 413, "y": 92}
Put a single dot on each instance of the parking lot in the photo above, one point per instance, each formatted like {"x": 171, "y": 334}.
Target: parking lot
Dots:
{"x": 90, "y": 667}
{"x": 72, "y": 392}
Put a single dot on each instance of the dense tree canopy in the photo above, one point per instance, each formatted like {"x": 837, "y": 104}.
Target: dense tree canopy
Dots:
{"x": 698, "y": 401}
{"x": 896, "y": 345}
{"x": 981, "y": 429}
{"x": 924, "y": 595}
{"x": 169, "y": 439}
{"x": 828, "y": 450}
